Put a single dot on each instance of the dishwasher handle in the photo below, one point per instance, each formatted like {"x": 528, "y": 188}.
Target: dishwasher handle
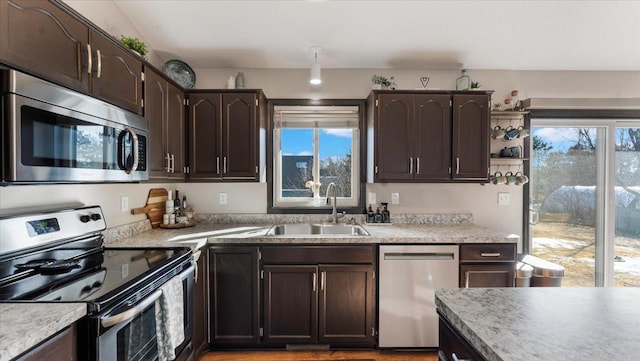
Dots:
{"x": 419, "y": 256}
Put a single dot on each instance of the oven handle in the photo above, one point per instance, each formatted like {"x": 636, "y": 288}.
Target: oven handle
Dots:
{"x": 132, "y": 312}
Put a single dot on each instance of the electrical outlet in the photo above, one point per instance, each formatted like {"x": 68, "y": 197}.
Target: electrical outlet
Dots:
{"x": 223, "y": 198}
{"x": 504, "y": 198}
{"x": 124, "y": 204}
{"x": 395, "y": 198}
{"x": 125, "y": 270}
{"x": 372, "y": 199}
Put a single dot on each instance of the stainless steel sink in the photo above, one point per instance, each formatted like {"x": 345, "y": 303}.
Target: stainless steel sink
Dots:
{"x": 326, "y": 230}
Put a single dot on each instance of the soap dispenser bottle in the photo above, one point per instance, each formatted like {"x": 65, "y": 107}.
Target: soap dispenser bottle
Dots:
{"x": 386, "y": 215}
{"x": 370, "y": 215}
{"x": 378, "y": 216}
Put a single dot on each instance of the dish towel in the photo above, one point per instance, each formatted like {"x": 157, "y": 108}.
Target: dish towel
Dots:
{"x": 170, "y": 319}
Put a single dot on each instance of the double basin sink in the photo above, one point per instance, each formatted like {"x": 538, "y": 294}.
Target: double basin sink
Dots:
{"x": 310, "y": 229}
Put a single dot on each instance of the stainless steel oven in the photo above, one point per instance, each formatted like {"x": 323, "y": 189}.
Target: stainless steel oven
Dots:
{"x": 53, "y": 134}
{"x": 58, "y": 256}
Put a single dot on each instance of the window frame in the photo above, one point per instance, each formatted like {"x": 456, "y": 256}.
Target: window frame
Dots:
{"x": 359, "y": 166}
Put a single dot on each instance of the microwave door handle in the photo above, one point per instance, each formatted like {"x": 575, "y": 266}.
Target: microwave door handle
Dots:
{"x": 123, "y": 153}
{"x": 130, "y": 313}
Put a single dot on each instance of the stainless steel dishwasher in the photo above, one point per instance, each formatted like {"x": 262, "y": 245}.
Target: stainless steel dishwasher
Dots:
{"x": 409, "y": 276}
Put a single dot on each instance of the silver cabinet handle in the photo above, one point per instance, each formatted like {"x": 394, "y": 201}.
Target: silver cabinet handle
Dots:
{"x": 454, "y": 357}
{"x": 135, "y": 310}
{"x": 168, "y": 158}
{"x": 466, "y": 280}
{"x": 457, "y": 165}
{"x": 314, "y": 281}
{"x": 99, "y": 63}
{"x": 217, "y": 165}
{"x": 418, "y": 165}
{"x": 497, "y": 254}
{"x": 410, "y": 165}
{"x": 196, "y": 256}
{"x": 173, "y": 163}
{"x": 224, "y": 165}
{"x": 89, "y": 59}
{"x": 323, "y": 280}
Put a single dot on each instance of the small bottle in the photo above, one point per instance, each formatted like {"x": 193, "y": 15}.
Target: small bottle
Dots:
{"x": 464, "y": 81}
{"x": 240, "y": 80}
{"x": 168, "y": 205}
{"x": 386, "y": 215}
{"x": 231, "y": 83}
{"x": 378, "y": 216}
{"x": 370, "y": 215}
{"x": 176, "y": 204}
{"x": 184, "y": 203}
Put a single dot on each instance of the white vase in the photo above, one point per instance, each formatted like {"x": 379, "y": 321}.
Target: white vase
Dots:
{"x": 376, "y": 86}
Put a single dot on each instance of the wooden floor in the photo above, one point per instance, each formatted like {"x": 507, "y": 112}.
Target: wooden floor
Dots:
{"x": 268, "y": 355}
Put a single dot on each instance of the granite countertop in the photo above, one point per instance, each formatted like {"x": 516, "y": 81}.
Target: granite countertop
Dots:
{"x": 25, "y": 325}
{"x": 546, "y": 324}
{"x": 255, "y": 233}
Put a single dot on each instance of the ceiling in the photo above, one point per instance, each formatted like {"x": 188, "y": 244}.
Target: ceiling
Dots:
{"x": 513, "y": 35}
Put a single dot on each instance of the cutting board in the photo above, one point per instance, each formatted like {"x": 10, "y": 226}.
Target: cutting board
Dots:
{"x": 155, "y": 206}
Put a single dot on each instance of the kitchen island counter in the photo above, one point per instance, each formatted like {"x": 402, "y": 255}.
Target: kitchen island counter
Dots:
{"x": 544, "y": 324}
{"x": 25, "y": 325}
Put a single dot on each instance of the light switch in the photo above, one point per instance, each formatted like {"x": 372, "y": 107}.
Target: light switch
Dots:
{"x": 395, "y": 198}
{"x": 504, "y": 198}
{"x": 372, "y": 199}
{"x": 124, "y": 204}
{"x": 223, "y": 198}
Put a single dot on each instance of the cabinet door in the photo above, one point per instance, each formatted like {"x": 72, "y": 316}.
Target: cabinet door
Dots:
{"x": 175, "y": 131}
{"x": 239, "y": 137}
{"x": 453, "y": 346}
{"x": 61, "y": 347}
{"x": 43, "y": 39}
{"x": 116, "y": 74}
{"x": 205, "y": 133}
{"x": 470, "y": 158}
{"x": 346, "y": 306}
{"x": 155, "y": 112}
{"x": 393, "y": 129}
{"x": 290, "y": 304}
{"x": 200, "y": 338}
{"x": 432, "y": 133}
{"x": 234, "y": 296}
{"x": 502, "y": 275}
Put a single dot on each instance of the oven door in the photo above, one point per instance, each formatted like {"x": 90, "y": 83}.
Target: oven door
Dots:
{"x": 50, "y": 143}
{"x": 128, "y": 333}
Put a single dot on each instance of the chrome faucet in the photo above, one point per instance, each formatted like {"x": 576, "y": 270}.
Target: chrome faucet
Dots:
{"x": 334, "y": 212}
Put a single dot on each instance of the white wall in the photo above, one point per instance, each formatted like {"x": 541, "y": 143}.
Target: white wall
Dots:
{"x": 337, "y": 83}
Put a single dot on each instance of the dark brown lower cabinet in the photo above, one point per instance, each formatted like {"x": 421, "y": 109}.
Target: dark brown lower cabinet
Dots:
{"x": 453, "y": 346}
{"x": 61, "y": 347}
{"x": 200, "y": 338}
{"x": 234, "y": 298}
{"x": 487, "y": 265}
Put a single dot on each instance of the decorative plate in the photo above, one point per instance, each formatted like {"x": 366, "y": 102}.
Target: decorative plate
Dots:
{"x": 180, "y": 72}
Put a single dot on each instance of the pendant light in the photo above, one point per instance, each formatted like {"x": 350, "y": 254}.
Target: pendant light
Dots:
{"x": 315, "y": 78}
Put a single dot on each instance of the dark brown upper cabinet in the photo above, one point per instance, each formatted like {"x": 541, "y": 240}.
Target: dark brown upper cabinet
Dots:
{"x": 471, "y": 116}
{"x": 226, "y": 135}
{"x": 50, "y": 40}
{"x": 428, "y": 136}
{"x": 165, "y": 112}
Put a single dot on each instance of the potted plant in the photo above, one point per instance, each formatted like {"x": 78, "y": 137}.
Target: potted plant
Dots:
{"x": 475, "y": 85}
{"x": 379, "y": 82}
{"x": 134, "y": 44}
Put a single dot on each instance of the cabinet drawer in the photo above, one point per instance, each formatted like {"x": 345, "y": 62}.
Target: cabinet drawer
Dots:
{"x": 494, "y": 252}
{"x": 318, "y": 254}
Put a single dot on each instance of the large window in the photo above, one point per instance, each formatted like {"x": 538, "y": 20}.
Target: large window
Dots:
{"x": 314, "y": 146}
{"x": 585, "y": 194}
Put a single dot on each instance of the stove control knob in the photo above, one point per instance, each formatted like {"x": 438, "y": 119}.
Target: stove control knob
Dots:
{"x": 85, "y": 218}
{"x": 96, "y": 216}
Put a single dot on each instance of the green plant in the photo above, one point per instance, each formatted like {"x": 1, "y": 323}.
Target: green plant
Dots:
{"x": 475, "y": 85}
{"x": 378, "y": 79}
{"x": 134, "y": 44}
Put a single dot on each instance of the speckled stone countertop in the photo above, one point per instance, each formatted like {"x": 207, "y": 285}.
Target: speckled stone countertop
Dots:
{"x": 422, "y": 230}
{"x": 25, "y": 325}
{"x": 545, "y": 324}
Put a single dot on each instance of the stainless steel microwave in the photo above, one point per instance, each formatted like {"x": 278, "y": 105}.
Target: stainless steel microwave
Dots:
{"x": 56, "y": 135}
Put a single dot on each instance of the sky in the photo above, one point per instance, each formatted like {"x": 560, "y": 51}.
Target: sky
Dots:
{"x": 333, "y": 142}
{"x": 561, "y": 138}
